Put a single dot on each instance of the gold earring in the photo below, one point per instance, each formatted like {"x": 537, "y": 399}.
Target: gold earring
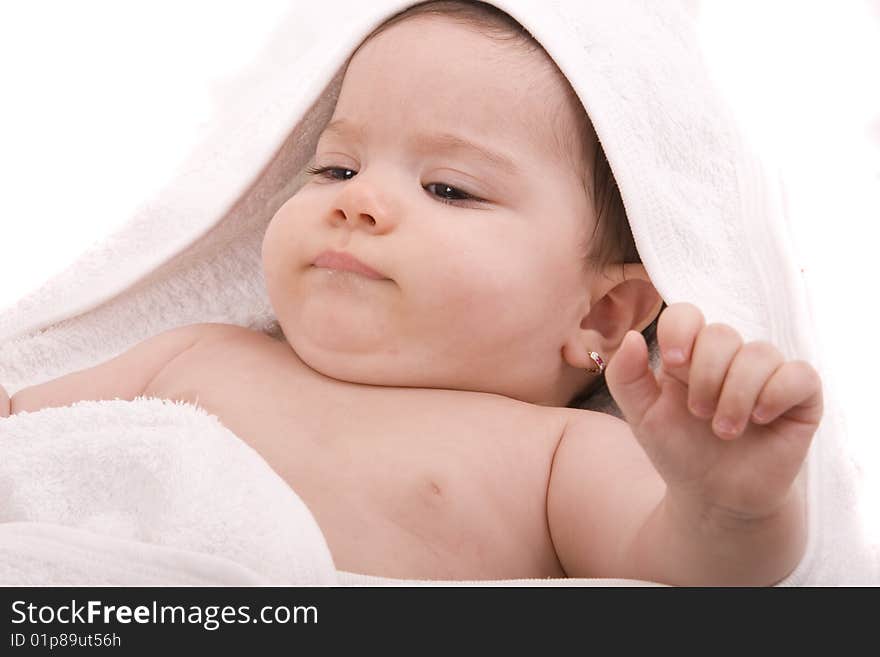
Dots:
{"x": 600, "y": 364}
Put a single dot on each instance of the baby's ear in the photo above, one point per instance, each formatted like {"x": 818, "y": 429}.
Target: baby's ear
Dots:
{"x": 577, "y": 354}
{"x": 646, "y": 302}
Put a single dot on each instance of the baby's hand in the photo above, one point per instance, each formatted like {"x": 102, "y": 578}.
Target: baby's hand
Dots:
{"x": 728, "y": 424}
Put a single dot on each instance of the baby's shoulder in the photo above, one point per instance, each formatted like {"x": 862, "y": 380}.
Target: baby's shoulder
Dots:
{"x": 207, "y": 341}
{"x": 579, "y": 419}
{"x": 593, "y": 431}
{"x": 597, "y": 454}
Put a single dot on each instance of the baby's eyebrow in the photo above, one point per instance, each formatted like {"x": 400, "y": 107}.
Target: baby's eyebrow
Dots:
{"x": 443, "y": 141}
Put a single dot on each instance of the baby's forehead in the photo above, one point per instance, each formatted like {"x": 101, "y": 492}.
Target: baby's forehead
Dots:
{"x": 502, "y": 91}
{"x": 561, "y": 124}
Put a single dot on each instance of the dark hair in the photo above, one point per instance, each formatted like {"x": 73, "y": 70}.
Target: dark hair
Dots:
{"x": 612, "y": 239}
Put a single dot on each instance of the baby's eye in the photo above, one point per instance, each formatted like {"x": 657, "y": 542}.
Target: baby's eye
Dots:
{"x": 449, "y": 194}
{"x": 445, "y": 193}
{"x": 327, "y": 172}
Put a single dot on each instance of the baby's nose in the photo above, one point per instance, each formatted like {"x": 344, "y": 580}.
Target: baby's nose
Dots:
{"x": 362, "y": 216}
{"x": 361, "y": 204}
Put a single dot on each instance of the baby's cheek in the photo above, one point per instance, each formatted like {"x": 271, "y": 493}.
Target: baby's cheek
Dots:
{"x": 497, "y": 298}
{"x": 275, "y": 274}
{"x": 278, "y": 243}
{"x": 269, "y": 258}
{"x": 463, "y": 284}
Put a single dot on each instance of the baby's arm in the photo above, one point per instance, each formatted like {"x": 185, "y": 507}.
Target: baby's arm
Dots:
{"x": 673, "y": 494}
{"x": 609, "y": 516}
{"x": 124, "y": 377}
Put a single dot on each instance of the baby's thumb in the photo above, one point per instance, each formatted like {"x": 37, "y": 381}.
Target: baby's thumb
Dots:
{"x": 630, "y": 378}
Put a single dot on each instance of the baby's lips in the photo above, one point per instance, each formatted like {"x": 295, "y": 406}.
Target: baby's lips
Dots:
{"x": 346, "y": 262}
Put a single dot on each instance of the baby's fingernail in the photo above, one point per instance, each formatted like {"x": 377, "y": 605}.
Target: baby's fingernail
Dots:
{"x": 760, "y": 414}
{"x": 674, "y": 356}
{"x": 725, "y": 425}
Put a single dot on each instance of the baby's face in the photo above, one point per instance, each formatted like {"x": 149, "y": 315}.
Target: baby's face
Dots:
{"x": 479, "y": 294}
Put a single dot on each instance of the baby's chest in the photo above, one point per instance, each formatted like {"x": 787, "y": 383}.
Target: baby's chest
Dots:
{"x": 301, "y": 421}
{"x": 442, "y": 468}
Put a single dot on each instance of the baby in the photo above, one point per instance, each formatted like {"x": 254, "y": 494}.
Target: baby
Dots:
{"x": 442, "y": 303}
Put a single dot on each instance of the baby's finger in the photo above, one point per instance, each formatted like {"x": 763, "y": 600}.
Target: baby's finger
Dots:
{"x": 677, "y": 329}
{"x": 749, "y": 372}
{"x": 714, "y": 350}
{"x": 630, "y": 379}
{"x": 794, "y": 389}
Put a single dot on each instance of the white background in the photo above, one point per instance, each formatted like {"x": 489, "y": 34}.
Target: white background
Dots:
{"x": 102, "y": 100}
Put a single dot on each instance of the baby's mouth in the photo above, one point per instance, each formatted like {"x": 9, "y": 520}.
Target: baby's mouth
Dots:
{"x": 343, "y": 261}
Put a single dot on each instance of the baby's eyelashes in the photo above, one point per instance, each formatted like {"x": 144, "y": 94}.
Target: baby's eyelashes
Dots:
{"x": 448, "y": 190}
{"x": 326, "y": 172}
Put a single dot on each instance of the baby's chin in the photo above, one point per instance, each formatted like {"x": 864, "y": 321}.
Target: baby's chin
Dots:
{"x": 346, "y": 355}
{"x": 342, "y": 370}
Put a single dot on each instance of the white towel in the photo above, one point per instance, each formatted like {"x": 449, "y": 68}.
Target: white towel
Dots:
{"x": 147, "y": 492}
{"x": 706, "y": 213}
